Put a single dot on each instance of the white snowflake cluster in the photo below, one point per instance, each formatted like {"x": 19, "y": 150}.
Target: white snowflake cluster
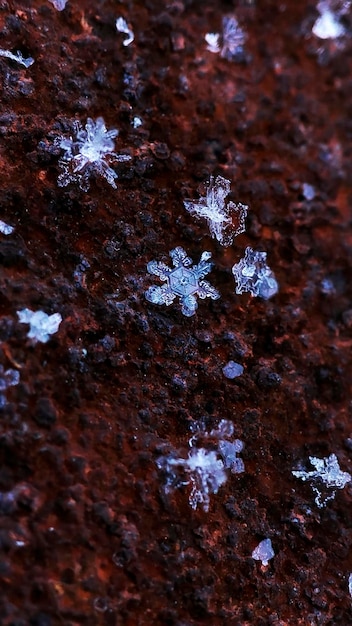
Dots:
{"x": 225, "y": 221}
{"x": 327, "y": 471}
{"x": 183, "y": 281}
{"x": 41, "y": 325}
{"x": 204, "y": 470}
{"x": 328, "y": 24}
{"x": 89, "y": 152}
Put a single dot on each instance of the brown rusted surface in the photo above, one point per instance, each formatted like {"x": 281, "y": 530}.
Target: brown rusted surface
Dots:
{"x": 87, "y": 534}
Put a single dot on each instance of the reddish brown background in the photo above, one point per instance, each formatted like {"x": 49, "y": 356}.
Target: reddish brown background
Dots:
{"x": 87, "y": 536}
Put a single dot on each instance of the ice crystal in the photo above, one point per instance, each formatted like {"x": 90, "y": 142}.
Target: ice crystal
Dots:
{"x": 327, "y": 471}
{"x": 252, "y": 274}
{"x": 228, "y": 450}
{"x": 6, "y": 229}
{"x": 232, "y": 370}
{"x": 59, "y": 4}
{"x": 122, "y": 27}
{"x": 225, "y": 221}
{"x": 87, "y": 154}
{"x": 203, "y": 470}
{"x": 328, "y": 26}
{"x": 263, "y": 552}
{"x": 41, "y": 324}
{"x": 182, "y": 281}
{"x": 230, "y": 42}
{"x": 350, "y": 584}
{"x": 18, "y": 57}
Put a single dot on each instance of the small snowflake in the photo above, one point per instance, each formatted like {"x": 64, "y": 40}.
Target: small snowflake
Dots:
{"x": 41, "y": 325}
{"x": 263, "y": 552}
{"x": 184, "y": 281}
{"x": 122, "y": 27}
{"x": 203, "y": 470}
{"x": 328, "y": 472}
{"x": 87, "y": 154}
{"x": 230, "y": 42}
{"x": 225, "y": 221}
{"x": 252, "y": 274}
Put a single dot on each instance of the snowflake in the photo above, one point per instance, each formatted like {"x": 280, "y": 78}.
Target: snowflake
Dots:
{"x": 328, "y": 25}
{"x": 329, "y": 473}
{"x": 18, "y": 57}
{"x": 183, "y": 281}
{"x": 230, "y": 43}
{"x": 87, "y": 154}
{"x": 203, "y": 470}
{"x": 252, "y": 274}
{"x": 225, "y": 221}
{"x": 263, "y": 552}
{"x": 122, "y": 27}
{"x": 8, "y": 378}
{"x": 59, "y": 4}
{"x": 41, "y": 324}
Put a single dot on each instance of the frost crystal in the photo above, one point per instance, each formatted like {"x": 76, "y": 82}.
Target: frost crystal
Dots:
{"x": 328, "y": 472}
{"x": 252, "y": 274}
{"x": 122, "y": 27}
{"x": 230, "y": 42}
{"x": 87, "y": 153}
{"x": 41, "y": 324}
{"x": 263, "y": 552}
{"x": 6, "y": 229}
{"x": 17, "y": 57}
{"x": 184, "y": 281}
{"x": 350, "y": 584}
{"x": 203, "y": 470}
{"x": 327, "y": 25}
{"x": 59, "y": 4}
{"x": 232, "y": 370}
{"x": 225, "y": 221}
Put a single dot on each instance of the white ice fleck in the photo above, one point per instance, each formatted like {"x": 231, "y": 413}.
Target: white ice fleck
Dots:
{"x": 18, "y": 57}
{"x": 122, "y": 27}
{"x": 263, "y": 552}
{"x": 350, "y": 584}
{"x": 308, "y": 191}
{"x": 6, "y": 229}
{"x": 328, "y": 472}
{"x": 254, "y": 275}
{"x": 327, "y": 26}
{"x": 41, "y": 324}
{"x": 137, "y": 122}
{"x": 212, "y": 40}
{"x": 232, "y": 369}
{"x": 59, "y": 4}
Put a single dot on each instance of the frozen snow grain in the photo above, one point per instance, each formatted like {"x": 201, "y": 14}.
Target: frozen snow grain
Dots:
{"x": 41, "y": 324}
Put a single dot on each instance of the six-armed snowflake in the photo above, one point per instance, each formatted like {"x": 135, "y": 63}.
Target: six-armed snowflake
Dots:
{"x": 184, "y": 281}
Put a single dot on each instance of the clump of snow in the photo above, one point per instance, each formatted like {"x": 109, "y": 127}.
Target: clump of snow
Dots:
{"x": 225, "y": 221}
{"x": 59, "y": 4}
{"x": 263, "y": 552}
{"x": 232, "y": 370}
{"x": 18, "y": 57}
{"x": 41, "y": 324}
{"x": 122, "y": 27}
{"x": 308, "y": 191}
{"x": 327, "y": 472}
{"x": 6, "y": 229}
{"x": 88, "y": 153}
{"x": 327, "y": 25}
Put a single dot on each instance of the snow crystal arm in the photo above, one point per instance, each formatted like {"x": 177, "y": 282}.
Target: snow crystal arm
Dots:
{"x": 158, "y": 269}
{"x": 179, "y": 257}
